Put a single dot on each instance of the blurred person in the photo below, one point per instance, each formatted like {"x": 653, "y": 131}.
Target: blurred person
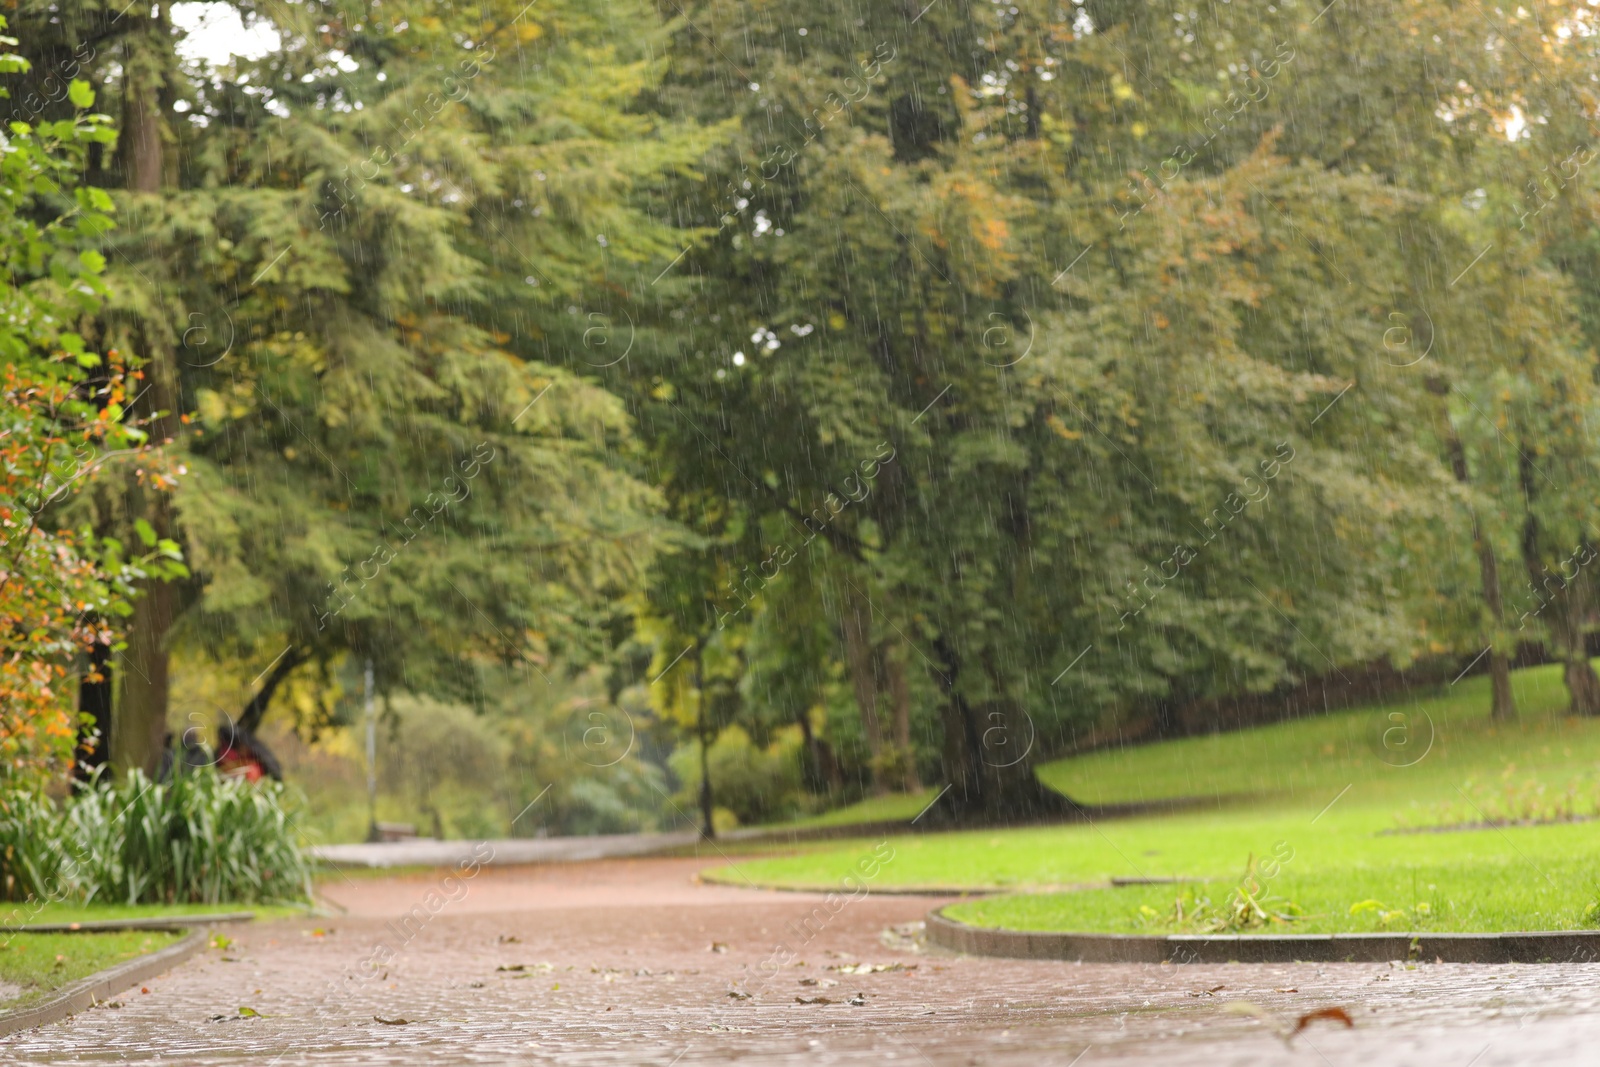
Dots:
{"x": 241, "y": 754}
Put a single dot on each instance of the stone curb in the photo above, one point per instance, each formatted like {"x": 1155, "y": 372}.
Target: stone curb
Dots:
{"x": 154, "y": 923}
{"x": 836, "y": 887}
{"x": 1580, "y": 946}
{"x": 103, "y": 985}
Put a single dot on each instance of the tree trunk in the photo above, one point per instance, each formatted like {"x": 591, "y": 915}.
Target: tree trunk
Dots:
{"x": 707, "y": 807}
{"x": 857, "y": 626}
{"x": 139, "y": 733}
{"x": 817, "y": 768}
{"x": 1566, "y": 610}
{"x": 988, "y": 761}
{"x": 251, "y": 716}
{"x": 94, "y": 700}
{"x": 1568, "y": 613}
{"x": 1502, "y": 707}
{"x": 141, "y": 121}
{"x": 703, "y": 726}
{"x": 900, "y": 703}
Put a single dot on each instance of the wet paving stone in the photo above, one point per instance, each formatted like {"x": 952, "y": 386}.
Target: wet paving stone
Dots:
{"x": 630, "y": 962}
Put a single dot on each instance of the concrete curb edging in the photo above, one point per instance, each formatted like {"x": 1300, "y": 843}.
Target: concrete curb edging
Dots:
{"x": 168, "y": 923}
{"x": 1577, "y": 946}
{"x": 102, "y": 985}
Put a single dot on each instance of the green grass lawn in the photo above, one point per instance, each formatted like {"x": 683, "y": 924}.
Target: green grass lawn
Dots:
{"x": 1328, "y": 790}
{"x": 18, "y": 914}
{"x": 1305, "y": 761}
{"x": 42, "y": 963}
{"x": 890, "y": 808}
{"x": 1481, "y": 895}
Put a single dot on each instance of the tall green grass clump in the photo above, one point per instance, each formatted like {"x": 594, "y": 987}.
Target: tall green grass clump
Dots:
{"x": 199, "y": 838}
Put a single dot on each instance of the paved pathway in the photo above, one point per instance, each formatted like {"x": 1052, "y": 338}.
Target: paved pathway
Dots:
{"x": 630, "y": 962}
{"x": 424, "y": 852}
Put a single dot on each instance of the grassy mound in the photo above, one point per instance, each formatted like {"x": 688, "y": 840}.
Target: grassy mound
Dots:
{"x": 1341, "y": 809}
{"x": 1413, "y": 750}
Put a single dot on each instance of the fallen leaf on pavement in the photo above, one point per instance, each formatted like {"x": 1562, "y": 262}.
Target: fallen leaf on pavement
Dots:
{"x": 1335, "y": 1015}
{"x": 871, "y": 968}
{"x": 812, "y": 1000}
{"x": 248, "y": 1013}
{"x": 391, "y": 1022}
{"x": 734, "y": 994}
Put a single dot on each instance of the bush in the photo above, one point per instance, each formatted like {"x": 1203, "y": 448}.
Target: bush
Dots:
{"x": 200, "y": 838}
{"x": 757, "y": 785}
{"x": 30, "y": 853}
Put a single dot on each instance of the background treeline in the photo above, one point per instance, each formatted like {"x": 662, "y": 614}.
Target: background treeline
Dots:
{"x": 867, "y": 395}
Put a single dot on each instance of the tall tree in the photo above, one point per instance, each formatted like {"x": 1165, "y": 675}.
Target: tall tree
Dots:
{"x": 67, "y": 424}
{"x": 359, "y": 269}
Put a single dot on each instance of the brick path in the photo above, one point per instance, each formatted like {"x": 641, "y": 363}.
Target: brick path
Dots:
{"x": 618, "y": 966}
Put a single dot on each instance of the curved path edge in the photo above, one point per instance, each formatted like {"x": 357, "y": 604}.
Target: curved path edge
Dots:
{"x": 165, "y": 922}
{"x": 1577, "y": 946}
{"x": 102, "y": 985}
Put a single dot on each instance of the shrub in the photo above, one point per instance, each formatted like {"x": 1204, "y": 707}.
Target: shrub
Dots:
{"x": 200, "y": 838}
{"x": 757, "y": 785}
{"x": 31, "y": 856}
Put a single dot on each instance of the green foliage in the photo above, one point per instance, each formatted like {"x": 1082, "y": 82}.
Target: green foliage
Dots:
{"x": 756, "y": 784}
{"x": 1248, "y": 907}
{"x": 1086, "y": 307}
{"x": 1204, "y": 352}
{"x": 62, "y": 420}
{"x": 523, "y": 762}
{"x": 197, "y": 838}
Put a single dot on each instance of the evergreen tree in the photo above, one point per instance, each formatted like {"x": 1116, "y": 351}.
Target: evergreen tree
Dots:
{"x": 352, "y": 266}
